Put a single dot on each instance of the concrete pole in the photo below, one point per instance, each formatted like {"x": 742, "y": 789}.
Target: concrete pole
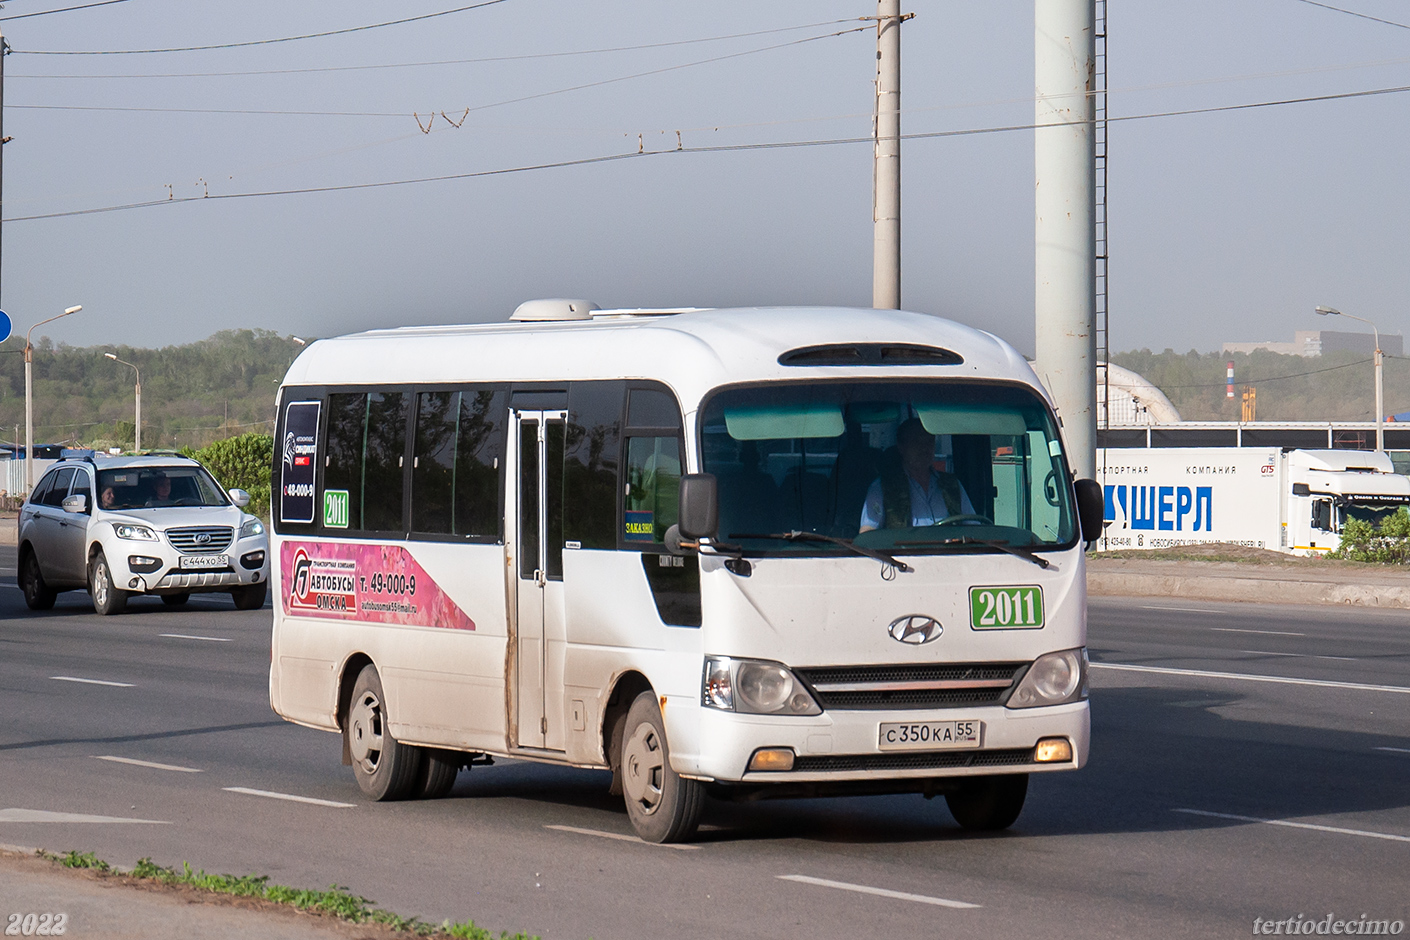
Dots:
{"x": 137, "y": 434}
{"x": 28, "y": 416}
{"x": 886, "y": 184}
{"x": 1064, "y": 231}
{"x": 1380, "y": 397}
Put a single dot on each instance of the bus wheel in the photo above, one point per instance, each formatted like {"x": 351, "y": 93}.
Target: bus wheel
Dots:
{"x": 438, "y": 772}
{"x": 662, "y": 806}
{"x": 988, "y": 803}
{"x": 385, "y": 769}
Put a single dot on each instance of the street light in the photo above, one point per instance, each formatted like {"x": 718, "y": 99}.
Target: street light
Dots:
{"x": 137, "y": 432}
{"x": 29, "y": 398}
{"x": 1380, "y": 408}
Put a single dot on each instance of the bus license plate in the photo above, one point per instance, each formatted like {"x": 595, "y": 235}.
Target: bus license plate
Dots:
{"x": 929, "y": 735}
{"x": 205, "y": 561}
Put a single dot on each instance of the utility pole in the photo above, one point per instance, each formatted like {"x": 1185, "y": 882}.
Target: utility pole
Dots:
{"x": 1064, "y": 223}
{"x": 4, "y": 51}
{"x": 886, "y": 179}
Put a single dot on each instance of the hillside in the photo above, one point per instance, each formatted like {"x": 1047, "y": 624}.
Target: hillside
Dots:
{"x": 191, "y": 395}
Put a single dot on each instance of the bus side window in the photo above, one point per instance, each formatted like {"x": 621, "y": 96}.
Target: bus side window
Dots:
{"x": 347, "y": 419}
{"x": 652, "y": 489}
{"x": 454, "y": 475}
{"x": 593, "y": 451}
{"x": 478, "y": 459}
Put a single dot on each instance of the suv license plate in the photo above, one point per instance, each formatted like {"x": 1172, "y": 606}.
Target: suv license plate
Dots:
{"x": 929, "y": 735}
{"x": 205, "y": 561}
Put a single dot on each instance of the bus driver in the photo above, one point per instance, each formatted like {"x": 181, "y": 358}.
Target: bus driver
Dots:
{"x": 915, "y": 485}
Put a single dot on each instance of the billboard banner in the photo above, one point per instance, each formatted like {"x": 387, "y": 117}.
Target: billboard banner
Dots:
{"x": 364, "y": 581}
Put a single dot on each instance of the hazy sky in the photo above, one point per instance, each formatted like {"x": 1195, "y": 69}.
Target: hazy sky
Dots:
{"x": 1225, "y": 226}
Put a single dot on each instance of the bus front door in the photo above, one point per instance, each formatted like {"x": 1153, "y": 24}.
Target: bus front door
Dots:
{"x": 537, "y": 524}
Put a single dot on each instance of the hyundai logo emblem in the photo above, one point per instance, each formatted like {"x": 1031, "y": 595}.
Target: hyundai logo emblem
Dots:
{"x": 915, "y": 629}
{"x": 203, "y": 538}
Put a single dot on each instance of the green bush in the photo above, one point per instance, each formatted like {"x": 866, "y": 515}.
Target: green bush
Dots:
{"x": 243, "y": 462}
{"x": 1387, "y": 543}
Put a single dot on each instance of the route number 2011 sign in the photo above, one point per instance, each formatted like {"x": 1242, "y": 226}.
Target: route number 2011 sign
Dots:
{"x": 1014, "y": 607}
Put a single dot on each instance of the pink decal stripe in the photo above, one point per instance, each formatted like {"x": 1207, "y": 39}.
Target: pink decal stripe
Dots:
{"x": 364, "y": 581}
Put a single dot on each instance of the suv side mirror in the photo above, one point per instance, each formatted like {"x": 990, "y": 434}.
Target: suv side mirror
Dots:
{"x": 699, "y": 505}
{"x": 240, "y": 498}
{"x": 78, "y": 502}
{"x": 1091, "y": 509}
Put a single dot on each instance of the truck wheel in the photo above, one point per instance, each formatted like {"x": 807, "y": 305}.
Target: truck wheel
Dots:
{"x": 108, "y": 598}
{"x": 251, "y": 596}
{"x": 662, "y": 806}
{"x": 984, "y": 804}
{"x": 37, "y": 594}
{"x": 385, "y": 768}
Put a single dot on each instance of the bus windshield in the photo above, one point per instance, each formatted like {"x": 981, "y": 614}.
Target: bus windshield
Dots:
{"x": 902, "y": 467}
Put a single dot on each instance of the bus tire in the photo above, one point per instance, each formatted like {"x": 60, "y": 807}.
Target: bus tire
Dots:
{"x": 108, "y": 598}
{"x": 37, "y": 594}
{"x": 385, "y": 768}
{"x": 662, "y": 806}
{"x": 986, "y": 804}
{"x": 438, "y": 772}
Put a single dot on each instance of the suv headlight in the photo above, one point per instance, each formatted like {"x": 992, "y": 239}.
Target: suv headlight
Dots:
{"x": 1053, "y": 679}
{"x": 251, "y": 527}
{"x": 755, "y": 688}
{"x": 138, "y": 533}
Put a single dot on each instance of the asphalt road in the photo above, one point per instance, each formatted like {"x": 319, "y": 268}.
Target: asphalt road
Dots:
{"x": 1213, "y": 799}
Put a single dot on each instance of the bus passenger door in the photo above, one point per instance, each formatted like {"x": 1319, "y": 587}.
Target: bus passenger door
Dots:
{"x": 540, "y": 637}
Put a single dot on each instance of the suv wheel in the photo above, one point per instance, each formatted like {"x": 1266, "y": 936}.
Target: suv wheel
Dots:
{"x": 251, "y": 596}
{"x": 37, "y": 594}
{"x": 107, "y": 597}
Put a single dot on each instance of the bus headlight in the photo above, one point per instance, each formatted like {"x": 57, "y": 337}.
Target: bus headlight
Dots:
{"x": 754, "y": 688}
{"x": 1053, "y": 679}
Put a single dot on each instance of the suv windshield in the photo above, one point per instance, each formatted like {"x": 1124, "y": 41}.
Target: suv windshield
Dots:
{"x": 902, "y": 467}
{"x": 153, "y": 487}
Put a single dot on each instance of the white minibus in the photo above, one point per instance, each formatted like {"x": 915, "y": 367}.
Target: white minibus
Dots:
{"x": 737, "y": 553}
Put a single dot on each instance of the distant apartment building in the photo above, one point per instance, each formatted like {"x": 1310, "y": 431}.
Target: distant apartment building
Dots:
{"x": 1316, "y": 342}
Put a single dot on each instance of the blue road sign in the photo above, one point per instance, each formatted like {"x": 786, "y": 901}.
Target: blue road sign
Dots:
{"x": 5, "y": 326}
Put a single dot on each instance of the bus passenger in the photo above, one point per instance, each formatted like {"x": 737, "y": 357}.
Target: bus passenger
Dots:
{"x": 914, "y": 493}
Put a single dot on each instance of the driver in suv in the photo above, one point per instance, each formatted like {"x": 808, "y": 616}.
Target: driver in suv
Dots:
{"x": 162, "y": 526}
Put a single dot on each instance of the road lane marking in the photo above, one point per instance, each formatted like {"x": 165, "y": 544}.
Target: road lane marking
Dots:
{"x": 44, "y": 816}
{"x": 146, "y": 763}
{"x": 187, "y": 636}
{"x": 1184, "y": 610}
{"x": 120, "y": 685}
{"x": 879, "y": 892}
{"x": 620, "y": 837}
{"x": 1297, "y": 825}
{"x": 289, "y": 796}
{"x": 1280, "y": 680}
{"x": 1268, "y": 653}
{"x": 1263, "y": 632}
{"x": 1395, "y": 750}
{"x": 1343, "y": 659}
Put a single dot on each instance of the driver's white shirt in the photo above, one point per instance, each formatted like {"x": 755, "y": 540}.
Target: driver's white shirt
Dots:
{"x": 927, "y": 508}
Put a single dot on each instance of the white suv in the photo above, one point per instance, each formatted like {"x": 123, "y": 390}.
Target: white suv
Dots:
{"x": 158, "y": 525}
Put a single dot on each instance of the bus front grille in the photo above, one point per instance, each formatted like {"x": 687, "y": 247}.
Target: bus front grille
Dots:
{"x": 913, "y": 760}
{"x": 938, "y": 685}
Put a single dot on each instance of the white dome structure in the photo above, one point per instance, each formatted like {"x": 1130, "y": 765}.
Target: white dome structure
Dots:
{"x": 1131, "y": 399}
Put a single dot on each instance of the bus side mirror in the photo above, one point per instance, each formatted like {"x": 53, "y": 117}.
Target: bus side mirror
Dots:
{"x": 1091, "y": 509}
{"x": 699, "y": 505}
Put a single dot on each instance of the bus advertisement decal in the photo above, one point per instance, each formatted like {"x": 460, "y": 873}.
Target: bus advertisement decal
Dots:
{"x": 367, "y": 582}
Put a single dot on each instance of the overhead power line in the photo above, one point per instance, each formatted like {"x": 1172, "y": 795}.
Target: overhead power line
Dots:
{"x": 1364, "y": 16}
{"x": 483, "y": 60}
{"x": 85, "y": 6}
{"x": 261, "y": 42}
{"x": 1273, "y": 378}
{"x": 716, "y": 148}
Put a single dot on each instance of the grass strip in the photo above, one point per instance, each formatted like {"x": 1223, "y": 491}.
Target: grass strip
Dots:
{"x": 336, "y": 902}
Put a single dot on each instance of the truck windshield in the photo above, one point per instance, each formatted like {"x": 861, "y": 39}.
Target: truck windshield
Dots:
{"x": 1369, "y": 509}
{"x": 902, "y": 467}
{"x": 154, "y": 487}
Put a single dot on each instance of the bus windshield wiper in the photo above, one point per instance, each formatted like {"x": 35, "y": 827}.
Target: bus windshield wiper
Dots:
{"x": 1022, "y": 551}
{"x": 798, "y": 536}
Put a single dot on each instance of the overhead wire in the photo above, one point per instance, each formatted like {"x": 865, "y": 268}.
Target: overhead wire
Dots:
{"x": 486, "y": 59}
{"x": 1364, "y": 16}
{"x": 84, "y": 6}
{"x": 261, "y": 42}
{"x": 715, "y": 148}
{"x": 1272, "y": 378}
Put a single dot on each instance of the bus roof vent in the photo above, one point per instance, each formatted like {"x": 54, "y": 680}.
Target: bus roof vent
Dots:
{"x": 538, "y": 311}
{"x": 870, "y": 354}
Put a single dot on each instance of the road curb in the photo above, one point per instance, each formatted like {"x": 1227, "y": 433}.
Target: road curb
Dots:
{"x": 1222, "y": 582}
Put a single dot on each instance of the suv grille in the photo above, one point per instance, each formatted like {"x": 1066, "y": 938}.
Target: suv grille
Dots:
{"x": 201, "y": 540}
{"x": 922, "y": 760}
{"x": 940, "y": 685}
